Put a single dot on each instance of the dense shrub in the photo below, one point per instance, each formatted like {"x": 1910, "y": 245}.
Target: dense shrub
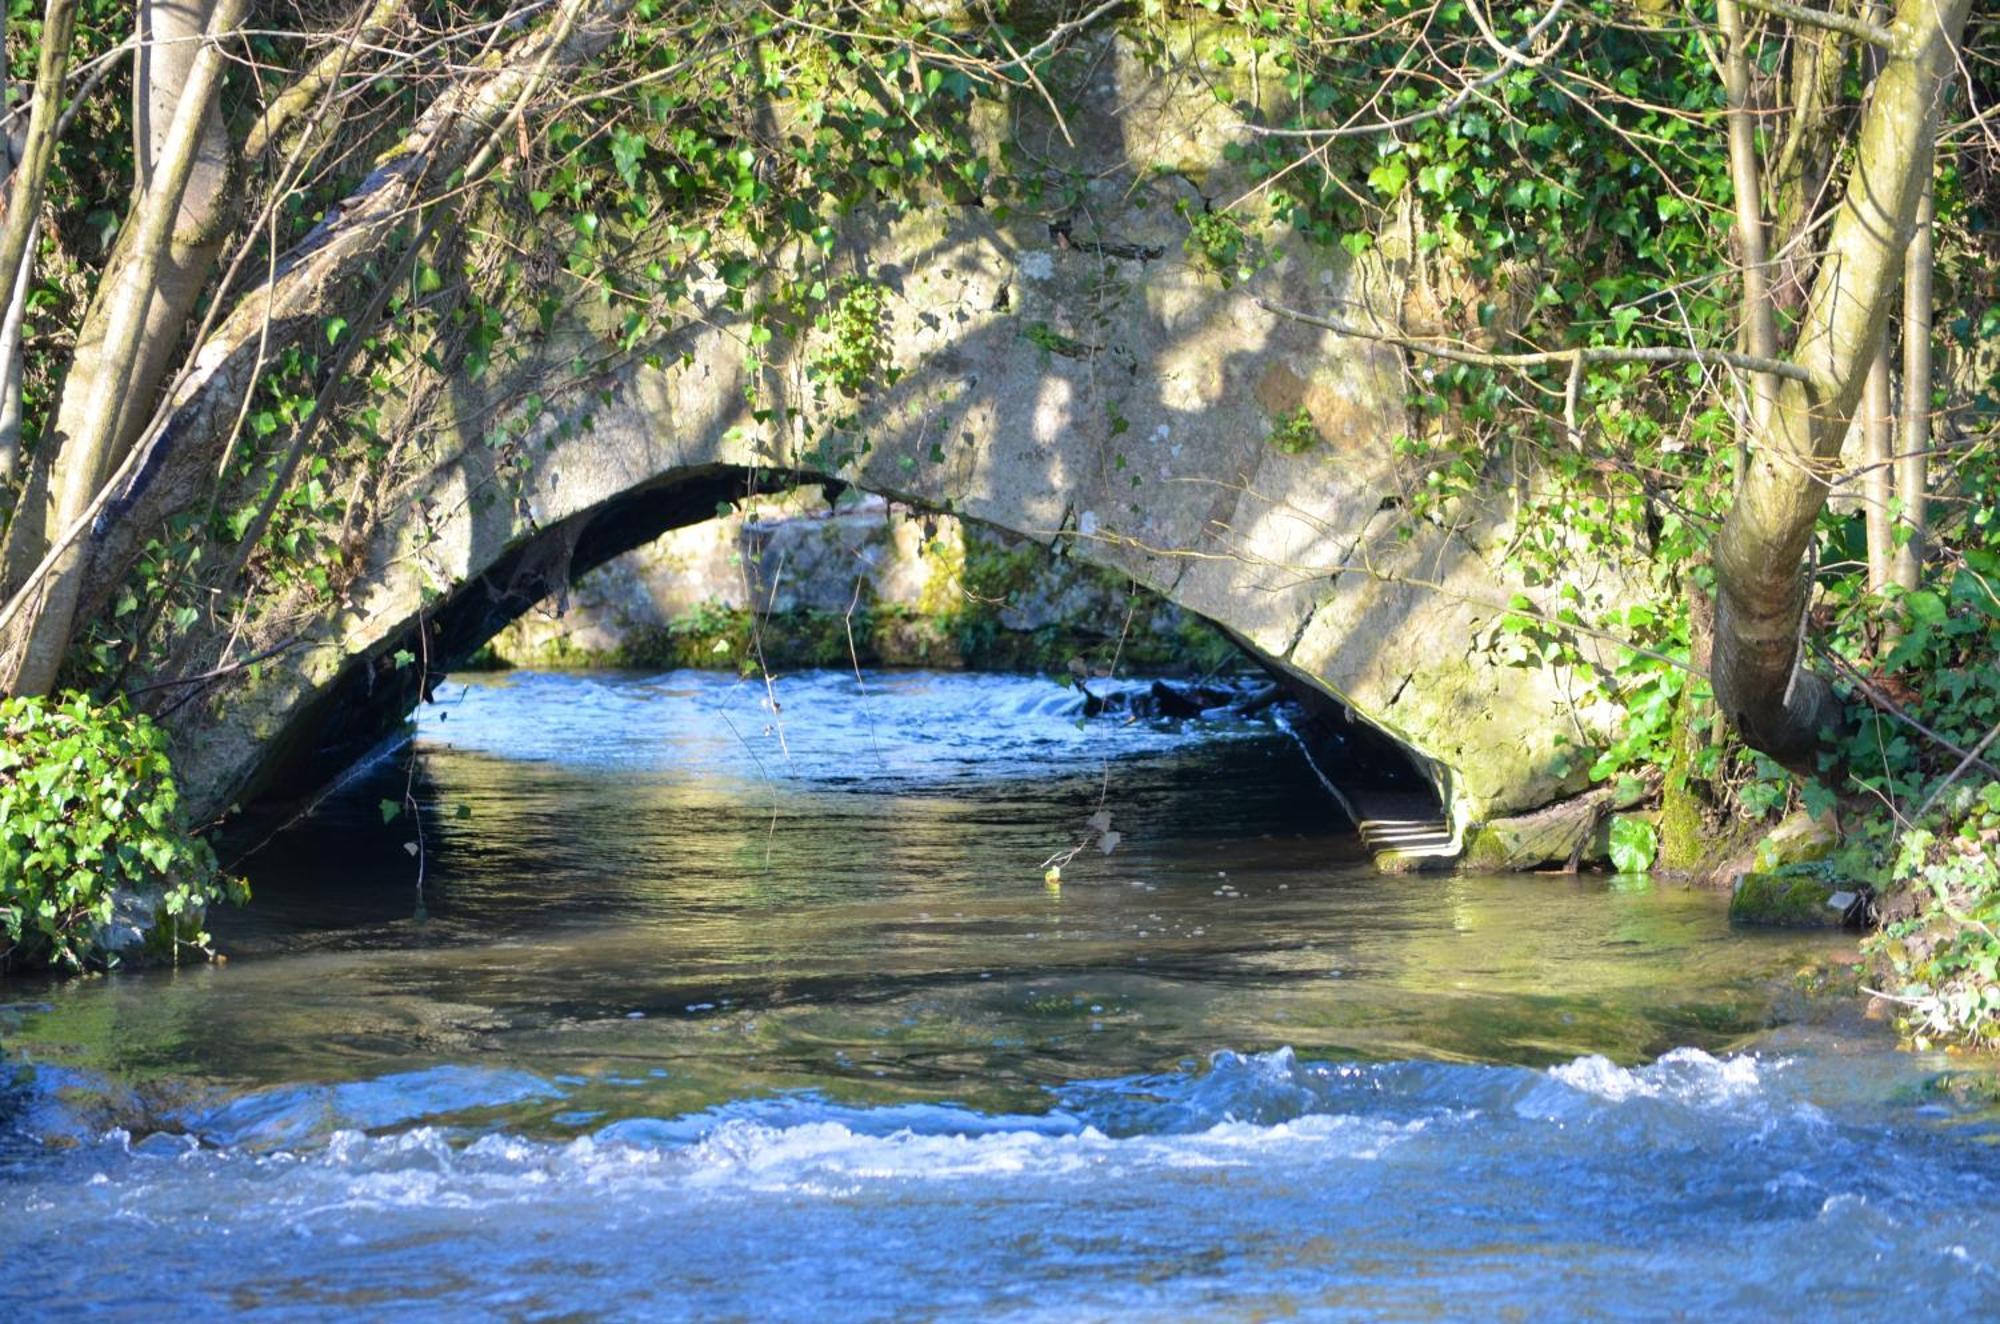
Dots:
{"x": 88, "y": 808}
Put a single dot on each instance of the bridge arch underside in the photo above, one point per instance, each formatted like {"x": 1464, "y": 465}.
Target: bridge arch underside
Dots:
{"x": 1388, "y": 790}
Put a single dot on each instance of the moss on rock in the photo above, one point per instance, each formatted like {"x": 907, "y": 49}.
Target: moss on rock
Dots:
{"x": 1791, "y": 900}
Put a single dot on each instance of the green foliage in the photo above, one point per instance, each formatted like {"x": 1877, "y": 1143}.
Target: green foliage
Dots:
{"x": 857, "y": 351}
{"x": 1218, "y": 241}
{"x": 1945, "y": 958}
{"x": 88, "y": 808}
{"x": 1295, "y": 433}
{"x": 1635, "y": 843}
{"x": 1942, "y": 667}
{"x": 1933, "y": 652}
{"x": 1051, "y": 341}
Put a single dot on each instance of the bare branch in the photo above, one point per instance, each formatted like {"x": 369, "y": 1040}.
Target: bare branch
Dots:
{"x": 1543, "y": 358}
{"x": 325, "y": 72}
{"x": 1061, "y": 31}
{"x": 1859, "y": 28}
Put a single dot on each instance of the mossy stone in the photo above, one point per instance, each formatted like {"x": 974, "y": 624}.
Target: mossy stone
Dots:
{"x": 1787, "y": 900}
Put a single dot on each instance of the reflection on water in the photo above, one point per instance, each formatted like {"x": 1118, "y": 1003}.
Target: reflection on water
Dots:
{"x": 772, "y": 977}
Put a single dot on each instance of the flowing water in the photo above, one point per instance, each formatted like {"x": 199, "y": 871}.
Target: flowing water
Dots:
{"x": 697, "y": 999}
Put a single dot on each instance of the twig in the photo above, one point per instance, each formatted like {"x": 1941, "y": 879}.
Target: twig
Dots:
{"x": 1971, "y": 757}
{"x": 216, "y": 673}
{"x": 1547, "y": 357}
{"x": 1060, "y": 32}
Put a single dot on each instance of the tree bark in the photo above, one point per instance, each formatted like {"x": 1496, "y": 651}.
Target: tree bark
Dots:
{"x": 1914, "y": 439}
{"x": 1760, "y": 324}
{"x": 1763, "y": 587}
{"x": 26, "y": 176}
{"x": 12, "y": 331}
{"x": 1877, "y": 424}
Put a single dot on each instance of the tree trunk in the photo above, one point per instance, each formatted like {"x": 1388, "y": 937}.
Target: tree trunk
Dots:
{"x": 134, "y": 305}
{"x": 1763, "y": 587}
{"x": 1877, "y": 425}
{"x": 172, "y": 469}
{"x": 26, "y": 175}
{"x": 170, "y": 32}
{"x": 13, "y": 329}
{"x": 1797, "y": 178}
{"x": 170, "y": 39}
{"x": 1760, "y": 325}
{"x": 1914, "y": 439}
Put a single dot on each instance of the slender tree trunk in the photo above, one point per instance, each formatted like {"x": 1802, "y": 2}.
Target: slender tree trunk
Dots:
{"x": 31, "y": 175}
{"x": 1762, "y": 584}
{"x": 1877, "y": 425}
{"x": 281, "y": 117}
{"x": 26, "y": 176}
{"x": 13, "y": 328}
{"x": 1914, "y": 439}
{"x": 170, "y": 34}
{"x": 172, "y": 471}
{"x": 13, "y": 140}
{"x": 1760, "y": 324}
{"x": 104, "y": 383}
{"x": 170, "y": 40}
{"x": 1818, "y": 61}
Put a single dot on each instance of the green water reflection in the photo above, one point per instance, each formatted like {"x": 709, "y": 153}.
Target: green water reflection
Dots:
{"x": 664, "y": 939}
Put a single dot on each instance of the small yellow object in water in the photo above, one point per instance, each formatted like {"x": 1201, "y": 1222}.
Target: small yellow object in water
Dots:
{"x": 1053, "y": 875}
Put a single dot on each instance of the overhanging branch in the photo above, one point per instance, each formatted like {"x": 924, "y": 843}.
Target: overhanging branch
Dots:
{"x": 1583, "y": 355}
{"x": 1859, "y": 28}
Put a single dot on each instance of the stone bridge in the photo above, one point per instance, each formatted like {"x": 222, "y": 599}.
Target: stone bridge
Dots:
{"x": 1074, "y": 375}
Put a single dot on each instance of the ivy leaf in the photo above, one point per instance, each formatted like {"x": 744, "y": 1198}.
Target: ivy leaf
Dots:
{"x": 627, "y": 148}
{"x": 391, "y": 810}
{"x": 1634, "y": 843}
{"x": 1389, "y": 178}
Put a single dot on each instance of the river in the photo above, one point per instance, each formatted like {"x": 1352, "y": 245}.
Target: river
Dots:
{"x": 688, "y": 997}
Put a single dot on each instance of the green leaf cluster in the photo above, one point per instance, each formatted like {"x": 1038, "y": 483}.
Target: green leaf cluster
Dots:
{"x": 89, "y": 810}
{"x": 856, "y": 352}
{"x": 1945, "y": 958}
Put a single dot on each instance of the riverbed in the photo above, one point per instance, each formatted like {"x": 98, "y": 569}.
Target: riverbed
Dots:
{"x": 690, "y": 996}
